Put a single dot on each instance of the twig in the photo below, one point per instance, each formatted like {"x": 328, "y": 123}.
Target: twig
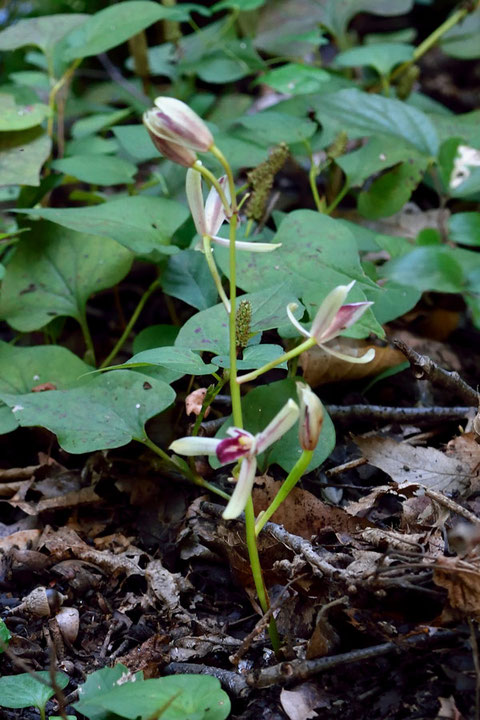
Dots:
{"x": 425, "y": 368}
{"x": 296, "y": 670}
{"x": 381, "y": 413}
{"x": 452, "y": 505}
{"x": 476, "y": 664}
{"x": 234, "y": 683}
{"x": 339, "y": 469}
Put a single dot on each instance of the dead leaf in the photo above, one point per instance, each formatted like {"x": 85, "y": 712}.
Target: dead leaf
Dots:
{"x": 319, "y": 367}
{"x": 409, "y": 465}
{"x": 194, "y": 402}
{"x": 448, "y": 709}
{"x": 300, "y": 702}
{"x": 461, "y": 578}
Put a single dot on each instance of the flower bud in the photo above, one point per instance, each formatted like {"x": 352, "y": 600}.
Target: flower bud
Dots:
{"x": 175, "y": 122}
{"x": 174, "y": 152}
{"x": 311, "y": 417}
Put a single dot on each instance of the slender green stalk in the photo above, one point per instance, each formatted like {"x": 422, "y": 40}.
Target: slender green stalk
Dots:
{"x": 88, "y": 338}
{"x": 207, "y": 249}
{"x": 433, "y": 38}
{"x": 209, "y": 398}
{"x": 54, "y": 91}
{"x": 306, "y": 345}
{"x": 312, "y": 178}
{"x": 228, "y": 171}
{"x": 338, "y": 199}
{"x": 287, "y": 486}
{"x": 210, "y": 177}
{"x": 232, "y": 329}
{"x": 128, "y": 328}
{"x": 183, "y": 470}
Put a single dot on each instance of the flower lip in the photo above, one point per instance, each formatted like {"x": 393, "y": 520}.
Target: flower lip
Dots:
{"x": 238, "y": 445}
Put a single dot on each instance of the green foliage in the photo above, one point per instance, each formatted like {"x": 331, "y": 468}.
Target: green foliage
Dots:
{"x": 5, "y": 636}
{"x": 20, "y": 691}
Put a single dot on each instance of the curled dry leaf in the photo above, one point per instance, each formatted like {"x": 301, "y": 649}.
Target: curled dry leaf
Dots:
{"x": 461, "y": 579}
{"x": 320, "y": 368}
{"x": 194, "y": 402}
{"x": 300, "y": 703}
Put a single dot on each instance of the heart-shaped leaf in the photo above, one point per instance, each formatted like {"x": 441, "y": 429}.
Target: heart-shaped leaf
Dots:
{"x": 19, "y": 691}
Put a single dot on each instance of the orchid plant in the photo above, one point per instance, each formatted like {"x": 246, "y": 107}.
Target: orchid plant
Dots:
{"x": 179, "y": 133}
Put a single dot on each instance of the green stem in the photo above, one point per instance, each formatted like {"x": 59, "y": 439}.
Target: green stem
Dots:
{"x": 287, "y": 486}
{"x": 209, "y": 398}
{"x": 232, "y": 330}
{"x": 207, "y": 249}
{"x": 185, "y": 471}
{"x": 42, "y": 712}
{"x": 128, "y": 328}
{"x": 210, "y": 177}
{"x": 257, "y": 571}
{"x": 88, "y": 338}
{"x": 306, "y": 345}
{"x": 432, "y": 39}
{"x": 338, "y": 199}
{"x": 248, "y": 228}
{"x": 216, "y": 152}
{"x": 54, "y": 91}
{"x": 312, "y": 178}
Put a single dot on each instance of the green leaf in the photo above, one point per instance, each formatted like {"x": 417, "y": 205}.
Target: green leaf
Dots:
{"x": 208, "y": 329}
{"x": 22, "y": 155}
{"x": 17, "y": 117}
{"x": 53, "y": 273}
{"x": 136, "y": 141}
{"x": 100, "y": 682}
{"x": 464, "y": 228}
{"x": 5, "y": 637}
{"x": 389, "y": 193}
{"x": 260, "y": 406}
{"x": 19, "y": 691}
{"x": 379, "y": 153}
{"x": 92, "y": 145}
{"x": 43, "y": 32}
{"x": 338, "y": 13}
{"x": 271, "y": 127}
{"x": 462, "y": 41}
{"x": 195, "y": 697}
{"x": 317, "y": 254}
{"x": 99, "y": 170}
{"x": 141, "y": 224}
{"x": 254, "y": 356}
{"x": 107, "y": 411}
{"x": 363, "y": 114}
{"x": 427, "y": 268}
{"x": 155, "y": 336}
{"x": 381, "y": 56}
{"x": 174, "y": 358}
{"x": 188, "y": 278}
{"x": 226, "y": 64}
{"x": 100, "y": 121}
{"x": 112, "y": 26}
{"x": 296, "y": 79}
{"x": 242, "y": 5}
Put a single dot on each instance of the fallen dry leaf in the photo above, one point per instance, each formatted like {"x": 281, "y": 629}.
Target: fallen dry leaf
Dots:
{"x": 300, "y": 702}
{"x": 194, "y": 402}
{"x": 461, "y": 578}
{"x": 409, "y": 465}
{"x": 320, "y": 368}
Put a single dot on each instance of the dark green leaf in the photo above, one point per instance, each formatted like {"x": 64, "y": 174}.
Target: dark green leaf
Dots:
{"x": 464, "y": 228}
{"x": 389, "y": 193}
{"x": 98, "y": 170}
{"x": 188, "y": 278}
{"x": 19, "y": 691}
{"x": 381, "y": 56}
{"x": 22, "y": 155}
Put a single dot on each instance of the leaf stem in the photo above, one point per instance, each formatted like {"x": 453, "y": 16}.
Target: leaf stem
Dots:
{"x": 128, "y": 328}
{"x": 55, "y": 90}
{"x": 312, "y": 179}
{"x": 287, "y": 486}
{"x": 216, "y": 152}
{"x": 88, "y": 338}
{"x": 207, "y": 249}
{"x": 306, "y": 345}
{"x": 338, "y": 198}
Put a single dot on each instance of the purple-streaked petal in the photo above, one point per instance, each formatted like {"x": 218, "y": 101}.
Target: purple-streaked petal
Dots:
{"x": 237, "y": 446}
{"x": 195, "y": 446}
{"x": 193, "y": 188}
{"x": 328, "y": 309}
{"x": 368, "y": 357}
{"x": 250, "y": 246}
{"x": 174, "y": 120}
{"x": 243, "y": 488}
{"x": 214, "y": 210}
{"x": 311, "y": 417}
{"x": 291, "y": 307}
{"x": 346, "y": 316}
{"x": 281, "y": 423}
{"x": 173, "y": 151}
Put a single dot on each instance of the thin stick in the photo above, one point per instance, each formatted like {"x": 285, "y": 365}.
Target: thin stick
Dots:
{"x": 476, "y": 664}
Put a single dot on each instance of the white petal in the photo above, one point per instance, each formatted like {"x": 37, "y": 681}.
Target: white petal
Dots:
{"x": 214, "y": 210}
{"x": 195, "y": 446}
{"x": 281, "y": 424}
{"x": 328, "y": 309}
{"x": 243, "y": 488}
{"x": 291, "y": 307}
{"x": 368, "y": 357}
{"x": 251, "y": 246}
{"x": 193, "y": 187}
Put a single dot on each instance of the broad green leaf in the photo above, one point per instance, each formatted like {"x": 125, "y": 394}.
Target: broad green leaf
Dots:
{"x": 91, "y": 145}
{"x": 338, "y": 13}
{"x": 31, "y": 78}
{"x": 316, "y": 255}
{"x": 141, "y": 224}
{"x": 100, "y": 682}
{"x": 427, "y": 268}
{"x": 100, "y": 121}
{"x": 98, "y": 170}
{"x": 389, "y": 192}
{"x": 259, "y": 406}
{"x": 155, "y": 336}
{"x": 465, "y": 126}
{"x": 242, "y": 5}
{"x": 271, "y": 127}
{"x": 161, "y": 60}
{"x": 22, "y": 155}
{"x": 241, "y": 151}
{"x": 470, "y": 186}
{"x": 363, "y": 114}
{"x": 464, "y": 228}
{"x": 19, "y": 691}
{"x": 136, "y": 141}
{"x": 182, "y": 697}
{"x": 107, "y": 411}
{"x": 112, "y": 26}
{"x": 381, "y": 56}
{"x": 17, "y": 117}
{"x": 188, "y": 278}
{"x": 43, "y": 32}
{"x": 253, "y": 357}
{"x": 235, "y": 60}
{"x": 296, "y": 79}
{"x": 5, "y": 637}
{"x": 208, "y": 329}
{"x": 462, "y": 41}
{"x": 53, "y": 273}
{"x": 379, "y": 153}
{"x": 180, "y": 359}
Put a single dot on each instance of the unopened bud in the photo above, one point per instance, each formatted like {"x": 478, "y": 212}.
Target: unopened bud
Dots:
{"x": 173, "y": 121}
{"x": 311, "y": 417}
